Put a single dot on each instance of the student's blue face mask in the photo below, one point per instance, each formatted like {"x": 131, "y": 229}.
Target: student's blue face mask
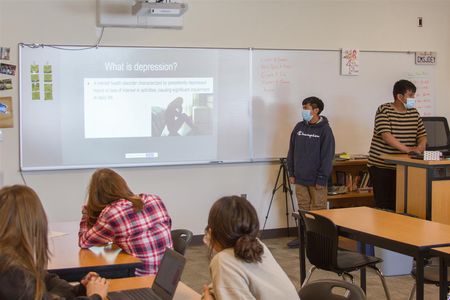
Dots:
{"x": 306, "y": 115}
{"x": 410, "y": 102}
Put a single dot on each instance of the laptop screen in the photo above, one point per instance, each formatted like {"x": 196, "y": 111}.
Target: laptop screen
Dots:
{"x": 169, "y": 274}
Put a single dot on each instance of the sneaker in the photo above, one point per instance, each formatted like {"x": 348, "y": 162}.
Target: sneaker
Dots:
{"x": 294, "y": 244}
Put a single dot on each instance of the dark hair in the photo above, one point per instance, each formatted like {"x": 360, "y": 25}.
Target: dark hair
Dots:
{"x": 234, "y": 223}
{"x": 402, "y": 86}
{"x": 314, "y": 102}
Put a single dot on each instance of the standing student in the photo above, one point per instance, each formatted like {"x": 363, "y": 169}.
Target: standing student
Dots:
{"x": 24, "y": 253}
{"x": 243, "y": 267}
{"x": 398, "y": 129}
{"x": 310, "y": 156}
{"x": 139, "y": 224}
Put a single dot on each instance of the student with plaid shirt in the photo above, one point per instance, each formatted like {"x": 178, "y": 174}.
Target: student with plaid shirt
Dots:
{"x": 139, "y": 224}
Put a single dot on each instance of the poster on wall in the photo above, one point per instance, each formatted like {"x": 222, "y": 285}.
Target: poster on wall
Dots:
{"x": 6, "y": 112}
{"x": 350, "y": 62}
{"x": 4, "y": 53}
{"x": 7, "y": 69}
{"x": 5, "y": 84}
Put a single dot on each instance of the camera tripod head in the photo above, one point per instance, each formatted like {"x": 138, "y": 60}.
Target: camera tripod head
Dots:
{"x": 283, "y": 161}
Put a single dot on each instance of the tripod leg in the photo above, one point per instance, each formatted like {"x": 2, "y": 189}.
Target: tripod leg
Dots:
{"x": 289, "y": 189}
{"x": 275, "y": 188}
{"x": 287, "y": 212}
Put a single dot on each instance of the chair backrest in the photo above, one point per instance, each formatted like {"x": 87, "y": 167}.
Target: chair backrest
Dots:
{"x": 437, "y": 133}
{"x": 331, "y": 290}
{"x": 321, "y": 240}
{"x": 181, "y": 239}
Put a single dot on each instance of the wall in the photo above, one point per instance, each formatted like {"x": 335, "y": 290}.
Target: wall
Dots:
{"x": 189, "y": 190}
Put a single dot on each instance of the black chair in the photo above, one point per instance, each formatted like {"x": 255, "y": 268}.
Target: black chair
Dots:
{"x": 323, "y": 253}
{"x": 438, "y": 133}
{"x": 430, "y": 276}
{"x": 331, "y": 290}
{"x": 181, "y": 239}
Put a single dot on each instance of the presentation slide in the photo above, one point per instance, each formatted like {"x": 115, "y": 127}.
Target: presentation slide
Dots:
{"x": 116, "y": 106}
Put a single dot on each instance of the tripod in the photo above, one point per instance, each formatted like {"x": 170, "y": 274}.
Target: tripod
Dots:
{"x": 282, "y": 171}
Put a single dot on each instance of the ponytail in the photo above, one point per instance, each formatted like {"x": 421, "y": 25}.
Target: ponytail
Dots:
{"x": 233, "y": 223}
{"x": 249, "y": 249}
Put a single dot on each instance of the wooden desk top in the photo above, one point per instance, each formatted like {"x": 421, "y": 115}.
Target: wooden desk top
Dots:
{"x": 183, "y": 292}
{"x": 390, "y": 226}
{"x": 405, "y": 159}
{"x": 65, "y": 253}
{"x": 442, "y": 250}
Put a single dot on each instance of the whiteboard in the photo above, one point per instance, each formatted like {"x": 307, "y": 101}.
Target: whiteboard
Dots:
{"x": 283, "y": 78}
{"x": 244, "y": 102}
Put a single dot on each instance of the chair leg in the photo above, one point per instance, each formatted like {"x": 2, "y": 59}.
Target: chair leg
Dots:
{"x": 347, "y": 292}
{"x": 383, "y": 282}
{"x": 352, "y": 280}
{"x": 413, "y": 292}
{"x": 311, "y": 270}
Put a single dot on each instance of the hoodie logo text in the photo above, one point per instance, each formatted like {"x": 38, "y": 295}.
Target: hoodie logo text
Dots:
{"x": 307, "y": 134}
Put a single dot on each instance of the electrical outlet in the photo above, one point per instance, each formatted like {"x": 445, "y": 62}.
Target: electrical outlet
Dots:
{"x": 419, "y": 22}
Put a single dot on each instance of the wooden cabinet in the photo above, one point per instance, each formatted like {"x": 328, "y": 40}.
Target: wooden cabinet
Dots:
{"x": 423, "y": 187}
{"x": 353, "y": 198}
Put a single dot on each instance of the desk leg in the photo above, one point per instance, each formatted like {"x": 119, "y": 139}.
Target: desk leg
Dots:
{"x": 443, "y": 288}
{"x": 301, "y": 250}
{"x": 419, "y": 276}
{"x": 363, "y": 270}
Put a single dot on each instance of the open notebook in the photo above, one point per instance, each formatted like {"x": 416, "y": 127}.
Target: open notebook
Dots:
{"x": 165, "y": 283}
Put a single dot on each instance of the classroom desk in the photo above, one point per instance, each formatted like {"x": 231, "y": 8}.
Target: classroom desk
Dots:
{"x": 444, "y": 261}
{"x": 183, "y": 292}
{"x": 71, "y": 262}
{"x": 399, "y": 233}
{"x": 423, "y": 187}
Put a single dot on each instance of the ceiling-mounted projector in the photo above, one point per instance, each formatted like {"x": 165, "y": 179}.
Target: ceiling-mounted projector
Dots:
{"x": 165, "y": 9}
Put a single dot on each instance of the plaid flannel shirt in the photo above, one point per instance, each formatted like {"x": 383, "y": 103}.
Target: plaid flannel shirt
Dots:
{"x": 144, "y": 234}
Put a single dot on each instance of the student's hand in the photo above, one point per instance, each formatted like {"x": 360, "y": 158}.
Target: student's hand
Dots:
{"x": 206, "y": 294}
{"x": 291, "y": 179}
{"x": 97, "y": 285}
{"x": 414, "y": 150}
{"x": 91, "y": 275}
{"x": 410, "y": 149}
{"x": 319, "y": 187}
{"x": 420, "y": 148}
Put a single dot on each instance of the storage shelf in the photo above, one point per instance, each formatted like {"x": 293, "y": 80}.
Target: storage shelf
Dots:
{"x": 350, "y": 195}
{"x": 350, "y": 162}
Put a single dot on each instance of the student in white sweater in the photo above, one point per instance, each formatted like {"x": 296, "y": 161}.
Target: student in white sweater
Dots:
{"x": 242, "y": 267}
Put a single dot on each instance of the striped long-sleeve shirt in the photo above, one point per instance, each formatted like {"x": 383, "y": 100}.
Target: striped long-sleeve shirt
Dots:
{"x": 407, "y": 127}
{"x": 144, "y": 234}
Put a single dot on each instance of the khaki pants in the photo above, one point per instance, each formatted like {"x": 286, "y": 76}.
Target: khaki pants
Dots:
{"x": 309, "y": 198}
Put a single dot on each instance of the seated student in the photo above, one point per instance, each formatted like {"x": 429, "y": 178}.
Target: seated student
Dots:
{"x": 139, "y": 224}
{"x": 243, "y": 267}
{"x": 24, "y": 253}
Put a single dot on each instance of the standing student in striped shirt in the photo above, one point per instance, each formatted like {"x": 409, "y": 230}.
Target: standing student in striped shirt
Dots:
{"x": 398, "y": 129}
{"x": 139, "y": 224}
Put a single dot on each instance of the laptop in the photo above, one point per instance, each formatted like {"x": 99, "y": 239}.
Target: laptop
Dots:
{"x": 165, "y": 283}
{"x": 415, "y": 155}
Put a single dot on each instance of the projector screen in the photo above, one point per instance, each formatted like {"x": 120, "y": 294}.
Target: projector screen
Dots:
{"x": 114, "y": 106}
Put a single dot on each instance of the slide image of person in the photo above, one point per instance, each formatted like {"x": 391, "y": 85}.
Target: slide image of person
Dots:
{"x": 175, "y": 117}
{"x": 176, "y": 121}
